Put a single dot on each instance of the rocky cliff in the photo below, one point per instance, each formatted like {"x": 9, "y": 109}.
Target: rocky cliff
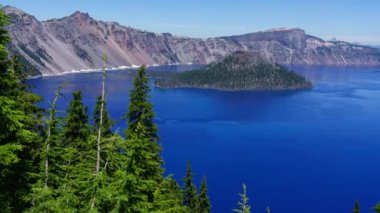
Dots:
{"x": 77, "y": 42}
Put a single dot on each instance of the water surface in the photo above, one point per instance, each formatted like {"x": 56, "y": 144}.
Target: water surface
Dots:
{"x": 306, "y": 151}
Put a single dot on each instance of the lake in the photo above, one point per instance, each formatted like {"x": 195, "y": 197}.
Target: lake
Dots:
{"x": 299, "y": 151}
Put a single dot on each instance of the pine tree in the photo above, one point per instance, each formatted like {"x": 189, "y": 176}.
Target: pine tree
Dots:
{"x": 76, "y": 129}
{"x": 142, "y": 141}
{"x": 102, "y": 128}
{"x": 244, "y": 207}
{"x": 168, "y": 197}
{"x": 356, "y": 207}
{"x": 108, "y": 186}
{"x": 190, "y": 192}
{"x": 203, "y": 200}
{"x": 140, "y": 110}
{"x": 52, "y": 142}
{"x": 141, "y": 113}
{"x": 20, "y": 131}
{"x": 78, "y": 161}
{"x": 136, "y": 181}
{"x": 49, "y": 177}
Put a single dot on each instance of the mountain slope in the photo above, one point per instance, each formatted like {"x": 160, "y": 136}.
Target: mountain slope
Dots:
{"x": 238, "y": 71}
{"x": 78, "y": 41}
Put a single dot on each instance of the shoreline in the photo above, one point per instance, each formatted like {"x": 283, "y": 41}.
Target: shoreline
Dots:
{"x": 133, "y": 66}
{"x": 307, "y": 86}
{"x": 123, "y": 67}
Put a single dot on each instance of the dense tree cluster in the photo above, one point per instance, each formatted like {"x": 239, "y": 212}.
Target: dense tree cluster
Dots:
{"x": 238, "y": 71}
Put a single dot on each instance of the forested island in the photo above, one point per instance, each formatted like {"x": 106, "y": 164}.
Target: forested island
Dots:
{"x": 238, "y": 71}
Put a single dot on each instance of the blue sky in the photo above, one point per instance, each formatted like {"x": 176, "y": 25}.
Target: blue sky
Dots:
{"x": 349, "y": 20}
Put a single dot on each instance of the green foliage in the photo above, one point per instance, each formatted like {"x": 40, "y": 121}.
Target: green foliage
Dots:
{"x": 142, "y": 138}
{"x": 142, "y": 163}
{"x": 203, "y": 200}
{"x": 48, "y": 164}
{"x": 11, "y": 129}
{"x": 168, "y": 197}
{"x": 4, "y": 20}
{"x": 140, "y": 110}
{"x": 356, "y": 207}
{"x": 377, "y": 208}
{"x": 107, "y": 121}
{"x": 130, "y": 193}
{"x": 243, "y": 206}
{"x": 76, "y": 129}
{"x": 49, "y": 177}
{"x": 20, "y": 131}
{"x": 238, "y": 71}
{"x": 190, "y": 191}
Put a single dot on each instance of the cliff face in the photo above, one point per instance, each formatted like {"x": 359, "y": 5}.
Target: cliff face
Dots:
{"x": 78, "y": 41}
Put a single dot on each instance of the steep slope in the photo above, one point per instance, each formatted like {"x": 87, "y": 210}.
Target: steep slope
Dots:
{"x": 294, "y": 46}
{"x": 238, "y": 71}
{"x": 77, "y": 42}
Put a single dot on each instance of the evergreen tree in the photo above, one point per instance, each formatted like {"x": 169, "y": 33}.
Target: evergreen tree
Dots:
{"x": 53, "y": 144}
{"x": 20, "y": 131}
{"x": 76, "y": 130}
{"x": 78, "y": 162}
{"x": 244, "y": 207}
{"x": 142, "y": 141}
{"x": 356, "y": 207}
{"x": 140, "y": 110}
{"x": 168, "y": 197}
{"x": 203, "y": 200}
{"x": 49, "y": 177}
{"x": 190, "y": 192}
{"x": 141, "y": 113}
{"x": 102, "y": 129}
{"x": 136, "y": 182}
{"x": 108, "y": 186}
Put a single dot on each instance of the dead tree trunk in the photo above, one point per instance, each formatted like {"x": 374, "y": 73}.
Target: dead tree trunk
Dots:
{"x": 101, "y": 115}
{"x": 52, "y": 112}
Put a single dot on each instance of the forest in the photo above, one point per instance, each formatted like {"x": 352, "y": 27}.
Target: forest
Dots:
{"x": 76, "y": 163}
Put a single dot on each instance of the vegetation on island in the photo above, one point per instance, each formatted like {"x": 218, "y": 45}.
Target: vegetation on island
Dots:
{"x": 73, "y": 163}
{"x": 238, "y": 71}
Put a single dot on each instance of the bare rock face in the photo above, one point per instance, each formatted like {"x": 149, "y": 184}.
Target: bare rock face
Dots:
{"x": 77, "y": 42}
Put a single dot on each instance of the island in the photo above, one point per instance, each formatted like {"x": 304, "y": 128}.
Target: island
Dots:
{"x": 238, "y": 71}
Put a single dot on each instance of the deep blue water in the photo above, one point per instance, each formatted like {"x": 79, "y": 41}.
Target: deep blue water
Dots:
{"x": 307, "y": 151}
